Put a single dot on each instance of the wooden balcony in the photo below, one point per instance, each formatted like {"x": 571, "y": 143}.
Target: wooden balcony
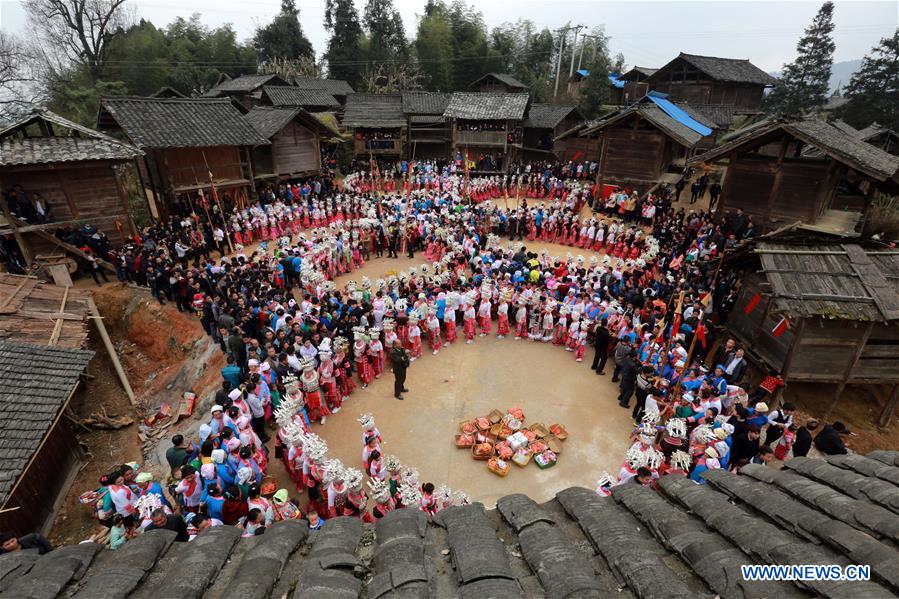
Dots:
{"x": 379, "y": 146}
{"x": 480, "y": 138}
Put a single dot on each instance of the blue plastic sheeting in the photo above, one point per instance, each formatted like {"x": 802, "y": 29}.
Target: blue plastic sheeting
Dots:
{"x": 614, "y": 79}
{"x": 583, "y": 72}
{"x": 678, "y": 114}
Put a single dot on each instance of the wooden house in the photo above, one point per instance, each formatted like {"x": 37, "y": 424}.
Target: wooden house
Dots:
{"x": 73, "y": 171}
{"x": 246, "y": 90}
{"x": 486, "y": 127}
{"x": 644, "y": 143}
{"x": 429, "y": 135}
{"x": 576, "y": 81}
{"x": 39, "y": 451}
{"x": 185, "y": 142}
{"x": 842, "y": 305}
{"x": 782, "y": 171}
{"x": 338, "y": 88}
{"x": 880, "y": 137}
{"x": 635, "y": 84}
{"x": 378, "y": 124}
{"x": 311, "y": 100}
{"x": 544, "y": 123}
{"x": 294, "y": 150}
{"x": 503, "y": 83}
{"x": 43, "y": 333}
{"x": 713, "y": 80}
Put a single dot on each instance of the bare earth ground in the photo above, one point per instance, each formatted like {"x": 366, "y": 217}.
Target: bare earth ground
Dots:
{"x": 466, "y": 381}
{"x": 166, "y": 352}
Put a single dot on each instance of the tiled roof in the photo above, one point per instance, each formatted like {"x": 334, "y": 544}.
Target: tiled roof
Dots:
{"x": 832, "y": 280}
{"x": 651, "y": 112}
{"x": 547, "y": 116}
{"x": 504, "y": 78}
{"x": 680, "y": 542}
{"x": 487, "y": 106}
{"x": 245, "y": 83}
{"x": 289, "y": 95}
{"x": 181, "y": 122}
{"x": 35, "y": 381}
{"x": 335, "y": 87}
{"x": 716, "y": 116}
{"x": 374, "y": 110}
{"x": 425, "y": 102}
{"x": 637, "y": 73}
{"x": 734, "y": 70}
{"x": 268, "y": 120}
{"x": 830, "y": 140}
{"x": 79, "y": 143}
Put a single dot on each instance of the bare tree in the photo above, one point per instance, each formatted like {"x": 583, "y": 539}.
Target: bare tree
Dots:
{"x": 16, "y": 81}
{"x": 81, "y": 28}
{"x": 391, "y": 79}
{"x": 288, "y": 68}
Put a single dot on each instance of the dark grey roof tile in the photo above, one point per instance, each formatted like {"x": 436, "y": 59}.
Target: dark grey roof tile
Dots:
{"x": 476, "y": 551}
{"x": 182, "y": 122}
{"x": 520, "y": 511}
{"x": 487, "y": 106}
{"x": 289, "y": 95}
{"x": 891, "y": 458}
{"x": 374, "y": 111}
{"x": 261, "y": 565}
{"x": 562, "y": 569}
{"x": 491, "y": 588}
{"x": 53, "y": 571}
{"x": 116, "y": 574}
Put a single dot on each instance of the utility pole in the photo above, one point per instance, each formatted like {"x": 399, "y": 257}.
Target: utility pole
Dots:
{"x": 562, "y": 32}
{"x": 583, "y": 45}
{"x": 576, "y": 28}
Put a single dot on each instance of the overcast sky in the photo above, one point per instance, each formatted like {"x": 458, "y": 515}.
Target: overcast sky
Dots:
{"x": 647, "y": 33}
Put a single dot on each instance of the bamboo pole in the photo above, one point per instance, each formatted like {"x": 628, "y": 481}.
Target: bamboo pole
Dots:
{"x": 104, "y": 335}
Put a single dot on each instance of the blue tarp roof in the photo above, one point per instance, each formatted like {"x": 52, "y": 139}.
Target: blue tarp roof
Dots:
{"x": 661, "y": 100}
{"x": 583, "y": 72}
{"x": 615, "y": 81}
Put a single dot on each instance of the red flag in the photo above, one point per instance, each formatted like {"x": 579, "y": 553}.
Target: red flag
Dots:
{"x": 781, "y": 327}
{"x": 700, "y": 335}
{"x": 752, "y": 303}
{"x": 577, "y": 155}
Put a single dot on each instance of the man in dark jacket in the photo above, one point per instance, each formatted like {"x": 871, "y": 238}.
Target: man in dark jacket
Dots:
{"x": 628, "y": 379}
{"x": 803, "y": 441}
{"x": 745, "y": 447}
{"x": 400, "y": 360}
{"x": 601, "y": 343}
{"x": 9, "y": 543}
{"x": 829, "y": 441}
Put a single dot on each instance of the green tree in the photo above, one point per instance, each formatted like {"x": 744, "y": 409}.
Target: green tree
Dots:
{"x": 472, "y": 57}
{"x": 804, "y": 82}
{"x": 386, "y": 34}
{"x": 283, "y": 37}
{"x": 873, "y": 91}
{"x": 434, "y": 47}
{"x": 139, "y": 58}
{"x": 344, "y": 50}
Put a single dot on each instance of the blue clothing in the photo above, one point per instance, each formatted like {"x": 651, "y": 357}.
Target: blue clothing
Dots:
{"x": 695, "y": 476}
{"x": 156, "y": 489}
{"x": 232, "y": 374}
{"x": 226, "y": 473}
{"x": 214, "y": 507}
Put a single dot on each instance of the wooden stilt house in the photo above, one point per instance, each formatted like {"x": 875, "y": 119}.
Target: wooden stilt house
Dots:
{"x": 186, "y": 141}
{"x": 841, "y": 302}
{"x": 70, "y": 172}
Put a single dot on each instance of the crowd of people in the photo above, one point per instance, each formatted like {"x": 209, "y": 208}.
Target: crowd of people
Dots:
{"x": 298, "y": 346}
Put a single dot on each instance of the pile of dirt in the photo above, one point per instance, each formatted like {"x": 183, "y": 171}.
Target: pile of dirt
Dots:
{"x": 165, "y": 353}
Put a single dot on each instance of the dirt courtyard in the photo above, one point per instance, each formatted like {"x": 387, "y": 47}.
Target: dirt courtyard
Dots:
{"x": 466, "y": 381}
